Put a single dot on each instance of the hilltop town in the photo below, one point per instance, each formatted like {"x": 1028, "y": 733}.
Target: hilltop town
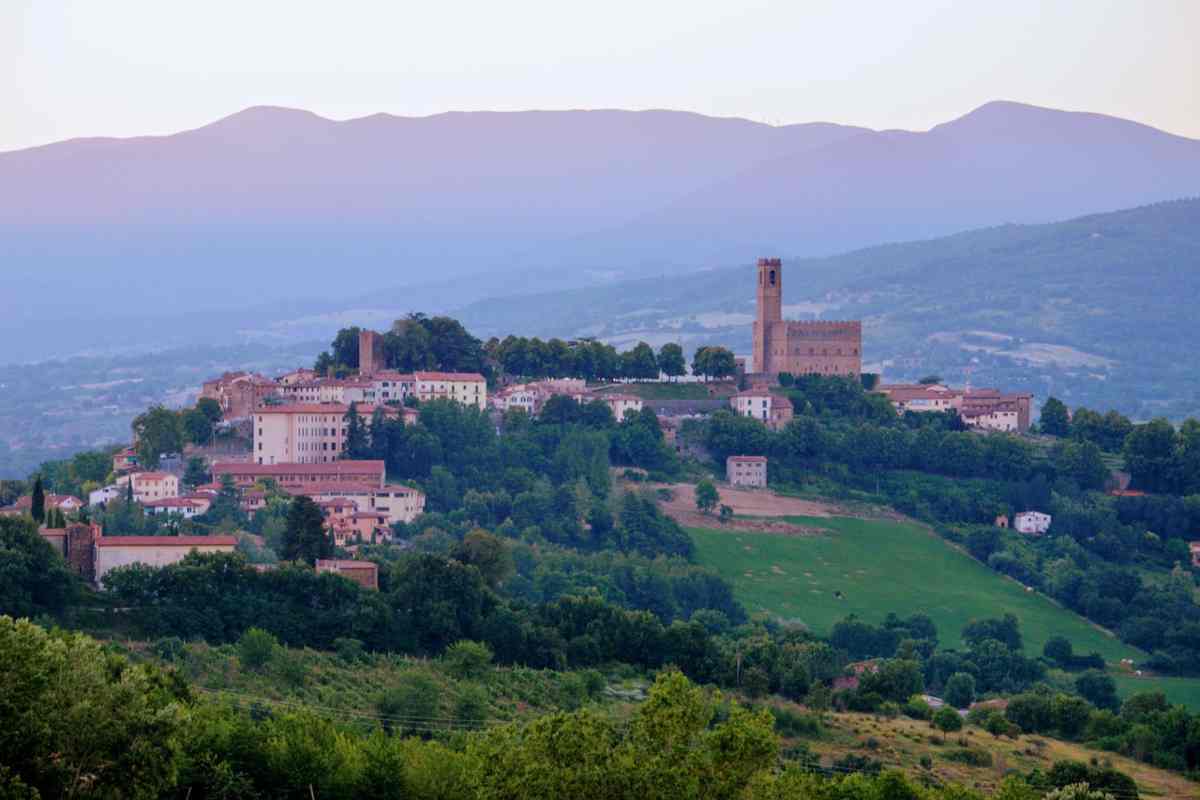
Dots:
{"x": 417, "y": 490}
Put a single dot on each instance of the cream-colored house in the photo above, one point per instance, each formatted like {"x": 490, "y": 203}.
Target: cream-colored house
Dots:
{"x": 469, "y": 388}
{"x": 151, "y": 486}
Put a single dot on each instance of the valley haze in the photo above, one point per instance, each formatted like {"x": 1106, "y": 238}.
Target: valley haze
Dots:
{"x": 271, "y": 223}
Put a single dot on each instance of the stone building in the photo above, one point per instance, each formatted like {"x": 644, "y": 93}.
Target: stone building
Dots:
{"x": 746, "y": 470}
{"x": 238, "y": 393}
{"x": 799, "y": 347}
{"x": 371, "y": 358}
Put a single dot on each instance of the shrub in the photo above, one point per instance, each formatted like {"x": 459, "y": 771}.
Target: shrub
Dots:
{"x": 471, "y": 707}
{"x": 350, "y": 651}
{"x": 256, "y": 648}
{"x": 926, "y": 761}
{"x": 468, "y": 660}
{"x": 970, "y": 756}
{"x": 412, "y": 705}
{"x": 792, "y": 724}
{"x": 593, "y": 682}
{"x": 916, "y": 708}
{"x": 169, "y": 648}
{"x": 290, "y": 668}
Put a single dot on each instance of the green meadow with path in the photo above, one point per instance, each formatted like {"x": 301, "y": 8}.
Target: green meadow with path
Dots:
{"x": 870, "y": 567}
{"x": 880, "y": 565}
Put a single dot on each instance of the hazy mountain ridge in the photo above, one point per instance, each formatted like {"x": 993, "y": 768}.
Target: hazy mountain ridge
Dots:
{"x": 276, "y": 207}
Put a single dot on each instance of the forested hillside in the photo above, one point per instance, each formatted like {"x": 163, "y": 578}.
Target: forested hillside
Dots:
{"x": 1092, "y": 310}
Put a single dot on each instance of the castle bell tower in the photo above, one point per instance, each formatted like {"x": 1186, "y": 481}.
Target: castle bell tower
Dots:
{"x": 769, "y": 296}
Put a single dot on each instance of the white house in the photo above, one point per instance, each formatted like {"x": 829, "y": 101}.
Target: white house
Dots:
{"x": 185, "y": 507}
{"x": 103, "y": 496}
{"x": 1034, "y": 522}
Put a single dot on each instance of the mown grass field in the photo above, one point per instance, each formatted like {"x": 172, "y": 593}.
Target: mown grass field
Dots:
{"x": 880, "y": 566}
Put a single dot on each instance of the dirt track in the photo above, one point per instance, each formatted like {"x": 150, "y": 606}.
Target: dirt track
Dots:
{"x": 746, "y": 503}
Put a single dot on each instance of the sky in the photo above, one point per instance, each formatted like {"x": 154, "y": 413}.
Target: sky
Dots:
{"x": 73, "y": 68}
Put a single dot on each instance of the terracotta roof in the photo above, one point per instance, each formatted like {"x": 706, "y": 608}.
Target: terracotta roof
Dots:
{"x": 151, "y": 476}
{"x": 364, "y": 467}
{"x": 333, "y": 487}
{"x": 363, "y": 409}
{"x": 174, "y": 502}
{"x": 449, "y": 376}
{"x": 365, "y": 514}
{"x": 749, "y": 459}
{"x": 165, "y": 541}
{"x": 52, "y": 500}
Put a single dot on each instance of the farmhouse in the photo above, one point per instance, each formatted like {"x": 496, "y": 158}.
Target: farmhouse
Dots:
{"x": 1032, "y": 522}
{"x": 746, "y": 470}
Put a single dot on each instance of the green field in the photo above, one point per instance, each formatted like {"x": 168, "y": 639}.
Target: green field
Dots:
{"x": 881, "y": 566}
{"x": 1184, "y": 691}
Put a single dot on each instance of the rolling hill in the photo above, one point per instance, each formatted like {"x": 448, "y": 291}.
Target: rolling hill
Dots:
{"x": 1095, "y": 310}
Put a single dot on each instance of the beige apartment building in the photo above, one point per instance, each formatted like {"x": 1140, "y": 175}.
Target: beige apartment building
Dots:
{"x": 305, "y": 433}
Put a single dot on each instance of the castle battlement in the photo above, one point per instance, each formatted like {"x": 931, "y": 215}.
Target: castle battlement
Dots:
{"x": 801, "y": 347}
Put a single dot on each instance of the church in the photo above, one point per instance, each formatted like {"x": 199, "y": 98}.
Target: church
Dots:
{"x": 799, "y": 347}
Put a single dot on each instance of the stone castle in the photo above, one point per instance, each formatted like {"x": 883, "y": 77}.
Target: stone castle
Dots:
{"x": 801, "y": 348}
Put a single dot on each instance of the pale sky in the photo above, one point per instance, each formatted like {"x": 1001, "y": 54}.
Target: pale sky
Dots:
{"x": 127, "y": 67}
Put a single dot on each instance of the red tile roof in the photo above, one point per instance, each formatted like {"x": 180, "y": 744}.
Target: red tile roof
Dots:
{"x": 151, "y": 476}
{"x": 749, "y": 459}
{"x": 363, "y": 409}
{"x": 166, "y": 541}
{"x": 449, "y": 376}
{"x": 174, "y": 502}
{"x": 364, "y": 467}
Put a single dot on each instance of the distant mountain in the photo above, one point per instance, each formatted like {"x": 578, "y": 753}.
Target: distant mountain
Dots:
{"x": 278, "y": 207}
{"x": 1098, "y": 309}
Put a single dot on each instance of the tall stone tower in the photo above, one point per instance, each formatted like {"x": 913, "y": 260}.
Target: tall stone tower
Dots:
{"x": 769, "y": 310}
{"x": 370, "y": 353}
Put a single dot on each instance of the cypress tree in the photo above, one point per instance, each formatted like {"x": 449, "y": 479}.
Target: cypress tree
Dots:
{"x": 38, "y": 505}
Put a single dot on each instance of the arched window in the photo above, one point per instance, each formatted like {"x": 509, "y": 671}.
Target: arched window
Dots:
{"x": 772, "y": 277}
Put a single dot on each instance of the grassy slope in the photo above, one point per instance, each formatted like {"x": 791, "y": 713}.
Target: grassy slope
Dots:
{"x": 881, "y": 566}
{"x": 901, "y": 743}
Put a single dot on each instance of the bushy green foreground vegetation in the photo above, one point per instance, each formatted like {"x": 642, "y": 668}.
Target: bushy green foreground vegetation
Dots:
{"x": 84, "y": 721}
